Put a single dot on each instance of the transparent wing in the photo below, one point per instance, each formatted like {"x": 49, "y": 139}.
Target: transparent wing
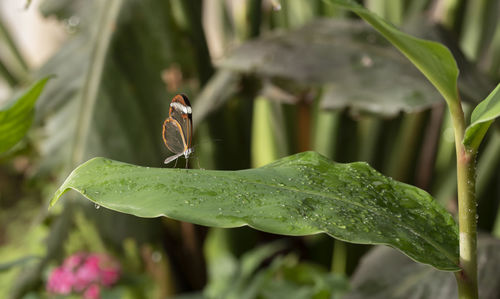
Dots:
{"x": 172, "y": 158}
{"x": 173, "y": 136}
{"x": 186, "y": 124}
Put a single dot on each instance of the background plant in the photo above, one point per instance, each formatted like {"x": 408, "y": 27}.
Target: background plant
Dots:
{"x": 123, "y": 118}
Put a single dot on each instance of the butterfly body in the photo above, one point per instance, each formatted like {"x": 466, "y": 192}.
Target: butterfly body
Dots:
{"x": 178, "y": 128}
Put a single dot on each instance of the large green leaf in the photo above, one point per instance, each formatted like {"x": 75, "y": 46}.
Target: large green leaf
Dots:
{"x": 17, "y": 115}
{"x": 433, "y": 59}
{"x": 482, "y": 117}
{"x": 386, "y": 274}
{"x": 366, "y": 73}
{"x": 299, "y": 195}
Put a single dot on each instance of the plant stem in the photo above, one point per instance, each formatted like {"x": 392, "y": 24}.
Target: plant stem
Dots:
{"x": 368, "y": 131}
{"x": 7, "y": 75}
{"x": 110, "y": 12}
{"x": 406, "y": 144}
{"x": 254, "y": 18}
{"x": 339, "y": 257}
{"x": 17, "y": 60}
{"x": 193, "y": 13}
{"x": 466, "y": 159}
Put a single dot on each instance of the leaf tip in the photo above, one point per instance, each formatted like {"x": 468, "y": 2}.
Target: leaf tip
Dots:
{"x": 44, "y": 80}
{"x": 56, "y": 196}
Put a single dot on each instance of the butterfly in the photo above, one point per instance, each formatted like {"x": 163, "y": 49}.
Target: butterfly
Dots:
{"x": 178, "y": 128}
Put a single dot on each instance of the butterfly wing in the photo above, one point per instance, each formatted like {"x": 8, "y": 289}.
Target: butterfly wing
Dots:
{"x": 172, "y": 158}
{"x": 180, "y": 110}
{"x": 173, "y": 137}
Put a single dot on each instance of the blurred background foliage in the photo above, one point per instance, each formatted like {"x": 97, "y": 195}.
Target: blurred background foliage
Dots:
{"x": 267, "y": 78}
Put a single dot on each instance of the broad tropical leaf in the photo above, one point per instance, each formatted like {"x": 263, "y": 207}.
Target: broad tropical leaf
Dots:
{"x": 385, "y": 273}
{"x": 432, "y": 59}
{"x": 298, "y": 195}
{"x": 365, "y": 73}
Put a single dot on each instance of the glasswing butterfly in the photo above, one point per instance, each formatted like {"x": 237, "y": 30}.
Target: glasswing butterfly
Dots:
{"x": 178, "y": 128}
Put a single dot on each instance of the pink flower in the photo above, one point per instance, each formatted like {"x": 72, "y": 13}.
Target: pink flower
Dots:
{"x": 61, "y": 281}
{"x": 110, "y": 270}
{"x": 92, "y": 292}
{"x": 84, "y": 273}
{"x": 88, "y": 273}
{"x": 73, "y": 261}
{"x": 109, "y": 276}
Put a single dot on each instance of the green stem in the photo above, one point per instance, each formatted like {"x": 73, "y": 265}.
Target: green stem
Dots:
{"x": 254, "y": 18}
{"x": 265, "y": 146}
{"x": 466, "y": 159}
{"x": 327, "y": 125}
{"x": 192, "y": 12}
{"x": 405, "y": 147}
{"x": 473, "y": 34}
{"x": 110, "y": 13}
{"x": 7, "y": 75}
{"x": 11, "y": 45}
{"x": 14, "y": 67}
{"x": 369, "y": 129}
{"x": 339, "y": 258}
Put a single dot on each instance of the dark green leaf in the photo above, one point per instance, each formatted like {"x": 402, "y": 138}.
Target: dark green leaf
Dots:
{"x": 365, "y": 73}
{"x": 385, "y": 274}
{"x": 482, "y": 117}
{"x": 432, "y": 59}
{"x": 299, "y": 195}
{"x": 16, "y": 116}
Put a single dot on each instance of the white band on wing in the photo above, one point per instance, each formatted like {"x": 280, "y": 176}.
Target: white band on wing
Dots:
{"x": 178, "y": 106}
